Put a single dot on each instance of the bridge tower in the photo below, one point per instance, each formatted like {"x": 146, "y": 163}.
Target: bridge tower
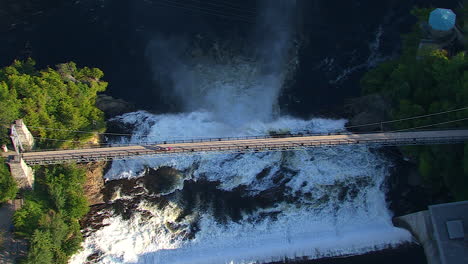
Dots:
{"x": 21, "y": 172}
{"x": 22, "y": 140}
{"x": 21, "y": 137}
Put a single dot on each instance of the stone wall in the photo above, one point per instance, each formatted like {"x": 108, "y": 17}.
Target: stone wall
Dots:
{"x": 24, "y": 135}
{"x": 22, "y": 173}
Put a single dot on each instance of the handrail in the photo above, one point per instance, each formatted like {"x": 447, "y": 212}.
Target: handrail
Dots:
{"x": 265, "y": 146}
{"x": 210, "y": 139}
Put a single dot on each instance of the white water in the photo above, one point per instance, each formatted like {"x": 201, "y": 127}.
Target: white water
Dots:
{"x": 237, "y": 97}
{"x": 314, "y": 229}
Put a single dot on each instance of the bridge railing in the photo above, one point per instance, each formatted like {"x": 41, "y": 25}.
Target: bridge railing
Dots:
{"x": 196, "y": 140}
{"x": 211, "y": 139}
{"x": 125, "y": 154}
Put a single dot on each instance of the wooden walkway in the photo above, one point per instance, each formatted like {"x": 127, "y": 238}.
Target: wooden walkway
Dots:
{"x": 250, "y": 144}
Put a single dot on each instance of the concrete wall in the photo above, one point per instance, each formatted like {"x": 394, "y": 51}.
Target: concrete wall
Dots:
{"x": 22, "y": 173}
{"x": 420, "y": 225}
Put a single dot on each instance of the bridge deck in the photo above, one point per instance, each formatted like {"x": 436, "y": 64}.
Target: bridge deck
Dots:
{"x": 246, "y": 145}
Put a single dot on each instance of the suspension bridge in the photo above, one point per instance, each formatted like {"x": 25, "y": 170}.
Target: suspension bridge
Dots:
{"x": 243, "y": 145}
{"x": 23, "y": 142}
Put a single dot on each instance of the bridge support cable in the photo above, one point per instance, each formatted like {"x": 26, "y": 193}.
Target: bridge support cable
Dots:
{"x": 431, "y": 125}
{"x": 408, "y": 118}
{"x": 245, "y": 146}
{"x": 220, "y": 139}
{"x": 223, "y": 139}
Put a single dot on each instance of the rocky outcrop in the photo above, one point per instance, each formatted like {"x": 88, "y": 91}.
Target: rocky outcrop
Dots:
{"x": 113, "y": 106}
{"x": 94, "y": 181}
{"x": 368, "y": 109}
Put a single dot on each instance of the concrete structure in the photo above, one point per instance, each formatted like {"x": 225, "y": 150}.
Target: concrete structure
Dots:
{"x": 21, "y": 136}
{"x": 442, "y": 230}
{"x": 440, "y": 32}
{"x": 22, "y": 140}
{"x": 420, "y": 226}
{"x": 21, "y": 172}
{"x": 245, "y": 144}
{"x": 450, "y": 222}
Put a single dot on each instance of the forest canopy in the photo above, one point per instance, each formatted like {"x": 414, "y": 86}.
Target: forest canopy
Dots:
{"x": 8, "y": 186}
{"x": 50, "y": 215}
{"x": 426, "y": 82}
{"x": 53, "y": 103}
{"x": 59, "y": 99}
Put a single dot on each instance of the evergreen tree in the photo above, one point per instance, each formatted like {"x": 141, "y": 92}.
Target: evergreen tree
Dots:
{"x": 8, "y": 186}
{"x": 425, "y": 82}
{"x": 61, "y": 99}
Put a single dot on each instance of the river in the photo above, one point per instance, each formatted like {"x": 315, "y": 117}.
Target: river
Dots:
{"x": 254, "y": 72}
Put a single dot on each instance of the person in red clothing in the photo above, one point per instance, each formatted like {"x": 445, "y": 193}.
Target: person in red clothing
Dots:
{"x": 164, "y": 148}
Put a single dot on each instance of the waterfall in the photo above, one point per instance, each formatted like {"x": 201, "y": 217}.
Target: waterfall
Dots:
{"x": 240, "y": 208}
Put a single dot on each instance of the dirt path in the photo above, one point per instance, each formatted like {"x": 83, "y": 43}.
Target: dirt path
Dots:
{"x": 11, "y": 247}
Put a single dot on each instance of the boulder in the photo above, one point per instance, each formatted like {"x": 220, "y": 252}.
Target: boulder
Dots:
{"x": 113, "y": 106}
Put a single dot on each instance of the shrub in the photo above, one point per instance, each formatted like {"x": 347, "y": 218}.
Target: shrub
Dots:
{"x": 433, "y": 82}
{"x": 62, "y": 99}
{"x": 8, "y": 186}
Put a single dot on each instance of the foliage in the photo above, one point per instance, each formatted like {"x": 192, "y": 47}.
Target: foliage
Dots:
{"x": 428, "y": 83}
{"x": 8, "y": 186}
{"x": 60, "y": 99}
{"x": 462, "y": 14}
{"x": 41, "y": 248}
{"x": 422, "y": 14}
{"x": 2, "y": 239}
{"x": 49, "y": 217}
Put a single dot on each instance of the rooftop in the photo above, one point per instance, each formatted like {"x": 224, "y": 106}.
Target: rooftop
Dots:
{"x": 450, "y": 222}
{"x": 442, "y": 19}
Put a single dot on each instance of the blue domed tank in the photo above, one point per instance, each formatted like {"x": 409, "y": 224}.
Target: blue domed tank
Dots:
{"x": 442, "y": 19}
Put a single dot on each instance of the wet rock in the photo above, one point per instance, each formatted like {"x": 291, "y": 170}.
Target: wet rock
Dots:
{"x": 94, "y": 182}
{"x": 404, "y": 195}
{"x": 125, "y": 208}
{"x": 94, "y": 258}
{"x": 366, "y": 110}
{"x": 93, "y": 220}
{"x": 113, "y": 106}
{"x": 163, "y": 180}
{"x": 263, "y": 173}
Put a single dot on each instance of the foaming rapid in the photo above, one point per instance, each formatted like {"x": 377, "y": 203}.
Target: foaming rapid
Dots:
{"x": 239, "y": 208}
{"x": 335, "y": 206}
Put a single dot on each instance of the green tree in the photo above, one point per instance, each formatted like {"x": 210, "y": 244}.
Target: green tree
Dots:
{"x": 40, "y": 251}
{"x": 8, "y": 186}
{"x": 26, "y": 219}
{"x": 2, "y": 239}
{"x": 426, "y": 82}
{"x": 62, "y": 99}
{"x": 54, "y": 207}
